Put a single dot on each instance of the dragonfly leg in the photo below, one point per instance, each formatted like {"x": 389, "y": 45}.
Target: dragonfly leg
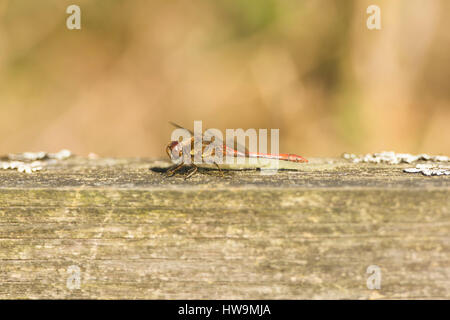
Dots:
{"x": 220, "y": 170}
{"x": 171, "y": 171}
{"x": 191, "y": 172}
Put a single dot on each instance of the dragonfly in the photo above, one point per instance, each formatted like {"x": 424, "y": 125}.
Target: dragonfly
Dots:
{"x": 180, "y": 149}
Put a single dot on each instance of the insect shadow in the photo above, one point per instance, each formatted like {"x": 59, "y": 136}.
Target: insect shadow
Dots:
{"x": 184, "y": 170}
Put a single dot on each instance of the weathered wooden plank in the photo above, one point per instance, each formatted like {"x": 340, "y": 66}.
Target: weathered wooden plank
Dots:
{"x": 308, "y": 233}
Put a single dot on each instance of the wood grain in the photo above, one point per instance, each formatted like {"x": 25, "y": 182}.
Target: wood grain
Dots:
{"x": 305, "y": 233}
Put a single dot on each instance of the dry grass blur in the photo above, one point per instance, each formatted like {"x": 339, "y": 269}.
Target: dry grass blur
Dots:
{"x": 310, "y": 68}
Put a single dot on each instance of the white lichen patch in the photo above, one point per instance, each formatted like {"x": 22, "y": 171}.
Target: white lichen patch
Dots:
{"x": 41, "y": 155}
{"x": 393, "y": 158}
{"x": 21, "y": 166}
{"x": 61, "y": 155}
{"x": 29, "y": 162}
{"x": 27, "y": 156}
{"x": 429, "y": 169}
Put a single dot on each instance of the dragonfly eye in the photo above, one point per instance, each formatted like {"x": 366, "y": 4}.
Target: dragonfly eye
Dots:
{"x": 170, "y": 147}
{"x": 174, "y": 150}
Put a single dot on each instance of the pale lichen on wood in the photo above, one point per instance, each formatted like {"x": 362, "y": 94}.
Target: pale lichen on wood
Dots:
{"x": 305, "y": 232}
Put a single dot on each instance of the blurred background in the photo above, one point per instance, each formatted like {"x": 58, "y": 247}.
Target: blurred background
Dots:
{"x": 309, "y": 68}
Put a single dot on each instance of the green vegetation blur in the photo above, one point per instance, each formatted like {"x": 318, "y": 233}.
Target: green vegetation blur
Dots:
{"x": 309, "y": 68}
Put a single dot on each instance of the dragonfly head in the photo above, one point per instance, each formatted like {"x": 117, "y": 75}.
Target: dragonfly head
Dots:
{"x": 174, "y": 149}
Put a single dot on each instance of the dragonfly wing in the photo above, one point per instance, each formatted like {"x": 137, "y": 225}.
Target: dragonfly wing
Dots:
{"x": 180, "y": 127}
{"x": 240, "y": 146}
{"x": 230, "y": 149}
{"x": 225, "y": 149}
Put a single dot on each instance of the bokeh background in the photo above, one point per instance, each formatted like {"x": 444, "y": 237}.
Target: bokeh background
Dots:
{"x": 310, "y": 68}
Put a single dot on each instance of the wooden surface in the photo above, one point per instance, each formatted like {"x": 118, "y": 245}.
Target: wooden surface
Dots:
{"x": 304, "y": 234}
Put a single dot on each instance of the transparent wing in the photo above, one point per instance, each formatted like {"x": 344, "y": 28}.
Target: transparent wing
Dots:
{"x": 227, "y": 149}
{"x": 180, "y": 127}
